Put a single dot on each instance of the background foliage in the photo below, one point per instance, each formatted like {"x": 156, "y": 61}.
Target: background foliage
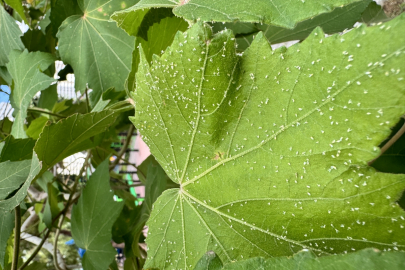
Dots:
{"x": 261, "y": 157}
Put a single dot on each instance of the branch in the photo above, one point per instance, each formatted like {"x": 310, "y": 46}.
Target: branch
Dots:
{"x": 124, "y": 147}
{"x": 39, "y": 110}
{"x": 17, "y": 213}
{"x": 390, "y": 143}
{"x": 38, "y": 248}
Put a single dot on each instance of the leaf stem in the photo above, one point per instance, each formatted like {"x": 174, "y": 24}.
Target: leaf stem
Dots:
{"x": 38, "y": 248}
{"x": 124, "y": 147}
{"x": 87, "y": 101}
{"x": 17, "y": 213}
{"x": 55, "y": 243}
{"x": 39, "y": 110}
{"x": 386, "y": 146}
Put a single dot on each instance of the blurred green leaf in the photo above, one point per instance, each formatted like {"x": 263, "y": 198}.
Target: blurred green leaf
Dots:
{"x": 51, "y": 206}
{"x": 61, "y": 10}
{"x": 10, "y": 36}
{"x": 93, "y": 218}
{"x": 13, "y": 174}
{"x": 374, "y": 13}
{"x": 36, "y": 127}
{"x": 17, "y": 149}
{"x": 17, "y": 6}
{"x": 6, "y": 227}
{"x": 26, "y": 70}
{"x": 14, "y": 200}
{"x": 338, "y": 20}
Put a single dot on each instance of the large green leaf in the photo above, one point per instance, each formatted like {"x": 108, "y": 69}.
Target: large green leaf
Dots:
{"x": 12, "y": 201}
{"x": 98, "y": 51}
{"x": 93, "y": 218}
{"x": 338, "y": 20}
{"x": 10, "y": 36}
{"x": 26, "y": 70}
{"x": 13, "y": 174}
{"x": 276, "y": 12}
{"x": 270, "y": 148}
{"x": 370, "y": 259}
{"x": 71, "y": 135}
{"x": 6, "y": 227}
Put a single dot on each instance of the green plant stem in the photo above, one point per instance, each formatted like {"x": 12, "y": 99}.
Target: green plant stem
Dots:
{"x": 87, "y": 101}
{"x": 124, "y": 147}
{"x": 17, "y": 212}
{"x": 38, "y": 248}
{"x": 38, "y": 110}
{"x": 55, "y": 243}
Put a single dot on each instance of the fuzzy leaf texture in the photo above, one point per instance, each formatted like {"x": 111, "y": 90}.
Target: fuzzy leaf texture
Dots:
{"x": 284, "y": 13}
{"x": 270, "y": 148}
{"x": 93, "y": 218}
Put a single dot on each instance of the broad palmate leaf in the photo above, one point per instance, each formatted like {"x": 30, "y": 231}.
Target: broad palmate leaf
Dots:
{"x": 98, "y": 51}
{"x": 93, "y": 218}
{"x": 284, "y": 13}
{"x": 270, "y": 148}
{"x": 13, "y": 174}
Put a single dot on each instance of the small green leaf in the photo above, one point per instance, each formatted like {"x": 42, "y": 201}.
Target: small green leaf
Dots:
{"x": 272, "y": 146}
{"x": 93, "y": 218}
{"x": 10, "y": 36}
{"x": 5, "y": 77}
{"x": 374, "y": 13}
{"x": 13, "y": 174}
{"x": 60, "y": 11}
{"x": 36, "y": 127}
{"x": 11, "y": 202}
{"x": 17, "y": 6}
{"x": 370, "y": 259}
{"x": 17, "y": 149}
{"x": 98, "y": 51}
{"x": 71, "y": 135}
{"x": 276, "y": 12}
{"x": 26, "y": 70}
{"x": 51, "y": 207}
{"x": 48, "y": 97}
{"x": 155, "y": 33}
{"x": 6, "y": 227}
{"x": 210, "y": 261}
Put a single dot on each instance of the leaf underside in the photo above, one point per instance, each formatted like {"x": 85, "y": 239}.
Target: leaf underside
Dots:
{"x": 284, "y": 13}
{"x": 270, "y": 148}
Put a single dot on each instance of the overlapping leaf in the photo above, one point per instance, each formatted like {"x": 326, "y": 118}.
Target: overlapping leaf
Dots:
{"x": 10, "y": 36}
{"x": 338, "y": 20}
{"x": 26, "y": 70}
{"x": 12, "y": 201}
{"x": 270, "y": 148}
{"x": 365, "y": 259}
{"x": 98, "y": 51}
{"x": 93, "y": 218}
{"x": 276, "y": 12}
{"x": 13, "y": 174}
{"x": 71, "y": 135}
